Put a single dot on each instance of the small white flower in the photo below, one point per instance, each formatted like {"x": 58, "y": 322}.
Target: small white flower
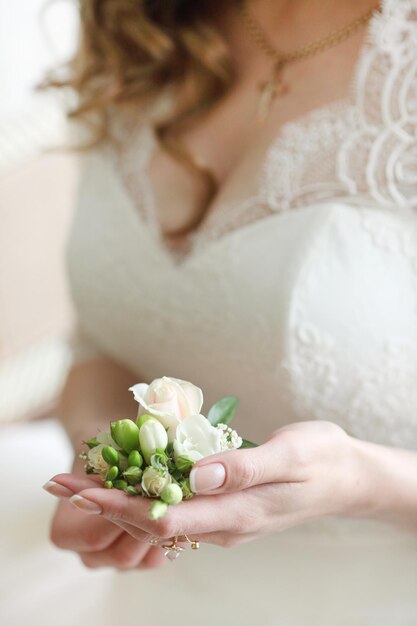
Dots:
{"x": 229, "y": 438}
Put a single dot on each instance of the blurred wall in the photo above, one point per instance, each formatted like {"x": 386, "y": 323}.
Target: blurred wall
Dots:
{"x": 36, "y": 199}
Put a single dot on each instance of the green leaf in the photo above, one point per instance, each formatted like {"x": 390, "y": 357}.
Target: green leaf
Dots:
{"x": 91, "y": 443}
{"x": 159, "y": 459}
{"x": 223, "y": 410}
{"x": 248, "y": 444}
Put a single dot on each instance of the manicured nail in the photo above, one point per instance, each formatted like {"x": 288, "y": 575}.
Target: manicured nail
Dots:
{"x": 57, "y": 490}
{"x": 207, "y": 477}
{"x": 85, "y": 505}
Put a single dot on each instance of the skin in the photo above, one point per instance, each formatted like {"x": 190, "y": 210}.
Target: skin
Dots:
{"x": 303, "y": 471}
{"x": 95, "y": 389}
{"x": 314, "y": 82}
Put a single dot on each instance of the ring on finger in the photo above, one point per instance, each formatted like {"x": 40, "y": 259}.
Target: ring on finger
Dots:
{"x": 194, "y": 544}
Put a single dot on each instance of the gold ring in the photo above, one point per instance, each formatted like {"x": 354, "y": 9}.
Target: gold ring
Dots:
{"x": 194, "y": 544}
{"x": 173, "y": 550}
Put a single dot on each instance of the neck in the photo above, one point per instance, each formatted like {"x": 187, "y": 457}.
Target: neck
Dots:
{"x": 293, "y": 22}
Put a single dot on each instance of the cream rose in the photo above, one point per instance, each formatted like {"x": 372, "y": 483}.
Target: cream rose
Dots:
{"x": 197, "y": 438}
{"x": 170, "y": 400}
{"x": 154, "y": 480}
{"x": 95, "y": 459}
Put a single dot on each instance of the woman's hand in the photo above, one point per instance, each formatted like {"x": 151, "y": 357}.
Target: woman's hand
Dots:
{"x": 304, "y": 471}
{"x": 98, "y": 541}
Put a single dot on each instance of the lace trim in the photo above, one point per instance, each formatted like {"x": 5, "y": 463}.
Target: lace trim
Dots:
{"x": 363, "y": 147}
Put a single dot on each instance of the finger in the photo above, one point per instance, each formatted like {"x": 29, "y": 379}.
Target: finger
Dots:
{"x": 66, "y": 485}
{"x": 123, "y": 554}
{"x": 223, "y": 539}
{"x": 234, "y": 470}
{"x": 153, "y": 558}
{"x": 137, "y": 533}
{"x": 200, "y": 514}
{"x": 73, "y": 530}
{"x": 78, "y": 483}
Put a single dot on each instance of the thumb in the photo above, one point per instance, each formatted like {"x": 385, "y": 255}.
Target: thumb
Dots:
{"x": 234, "y": 470}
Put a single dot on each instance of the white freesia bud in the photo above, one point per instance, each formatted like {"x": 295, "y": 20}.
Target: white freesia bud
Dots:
{"x": 196, "y": 438}
{"x": 170, "y": 400}
{"x": 152, "y": 435}
{"x": 154, "y": 480}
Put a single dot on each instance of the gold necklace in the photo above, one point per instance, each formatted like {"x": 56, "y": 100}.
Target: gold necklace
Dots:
{"x": 275, "y": 85}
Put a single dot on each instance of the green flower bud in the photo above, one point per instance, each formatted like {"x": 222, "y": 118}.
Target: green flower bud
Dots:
{"x": 110, "y": 455}
{"x": 135, "y": 458}
{"x": 108, "y": 484}
{"x": 131, "y": 491}
{"x": 157, "y": 510}
{"x": 184, "y": 463}
{"x": 126, "y": 434}
{"x": 120, "y": 484}
{"x": 152, "y": 435}
{"x": 144, "y": 418}
{"x": 133, "y": 474}
{"x": 171, "y": 494}
{"x": 112, "y": 473}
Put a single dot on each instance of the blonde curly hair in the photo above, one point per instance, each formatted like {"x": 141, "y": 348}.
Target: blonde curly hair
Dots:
{"x": 129, "y": 50}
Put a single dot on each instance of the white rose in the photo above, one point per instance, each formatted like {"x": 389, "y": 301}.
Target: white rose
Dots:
{"x": 197, "y": 438}
{"x": 170, "y": 400}
{"x": 154, "y": 480}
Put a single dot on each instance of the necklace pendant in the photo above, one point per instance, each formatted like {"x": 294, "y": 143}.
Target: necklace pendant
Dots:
{"x": 268, "y": 95}
{"x": 270, "y": 90}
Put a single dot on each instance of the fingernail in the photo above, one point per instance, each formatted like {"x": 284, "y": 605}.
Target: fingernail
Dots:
{"x": 57, "y": 490}
{"x": 207, "y": 477}
{"x": 85, "y": 505}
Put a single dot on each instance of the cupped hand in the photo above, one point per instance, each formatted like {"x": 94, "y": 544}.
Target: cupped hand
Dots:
{"x": 98, "y": 541}
{"x": 304, "y": 471}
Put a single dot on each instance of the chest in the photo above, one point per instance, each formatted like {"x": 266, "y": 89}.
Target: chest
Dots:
{"x": 229, "y": 142}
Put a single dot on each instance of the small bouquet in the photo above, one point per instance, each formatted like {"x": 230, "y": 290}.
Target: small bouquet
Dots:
{"x": 153, "y": 456}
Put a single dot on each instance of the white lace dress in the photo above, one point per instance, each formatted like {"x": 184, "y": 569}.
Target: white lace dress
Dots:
{"x": 300, "y": 299}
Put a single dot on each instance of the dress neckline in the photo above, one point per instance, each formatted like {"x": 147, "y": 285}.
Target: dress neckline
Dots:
{"x": 145, "y": 144}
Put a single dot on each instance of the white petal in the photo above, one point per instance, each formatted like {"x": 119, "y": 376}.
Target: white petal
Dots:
{"x": 193, "y": 394}
{"x": 107, "y": 440}
{"x": 139, "y": 391}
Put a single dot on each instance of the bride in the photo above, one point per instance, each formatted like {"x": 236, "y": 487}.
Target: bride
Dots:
{"x": 246, "y": 220}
